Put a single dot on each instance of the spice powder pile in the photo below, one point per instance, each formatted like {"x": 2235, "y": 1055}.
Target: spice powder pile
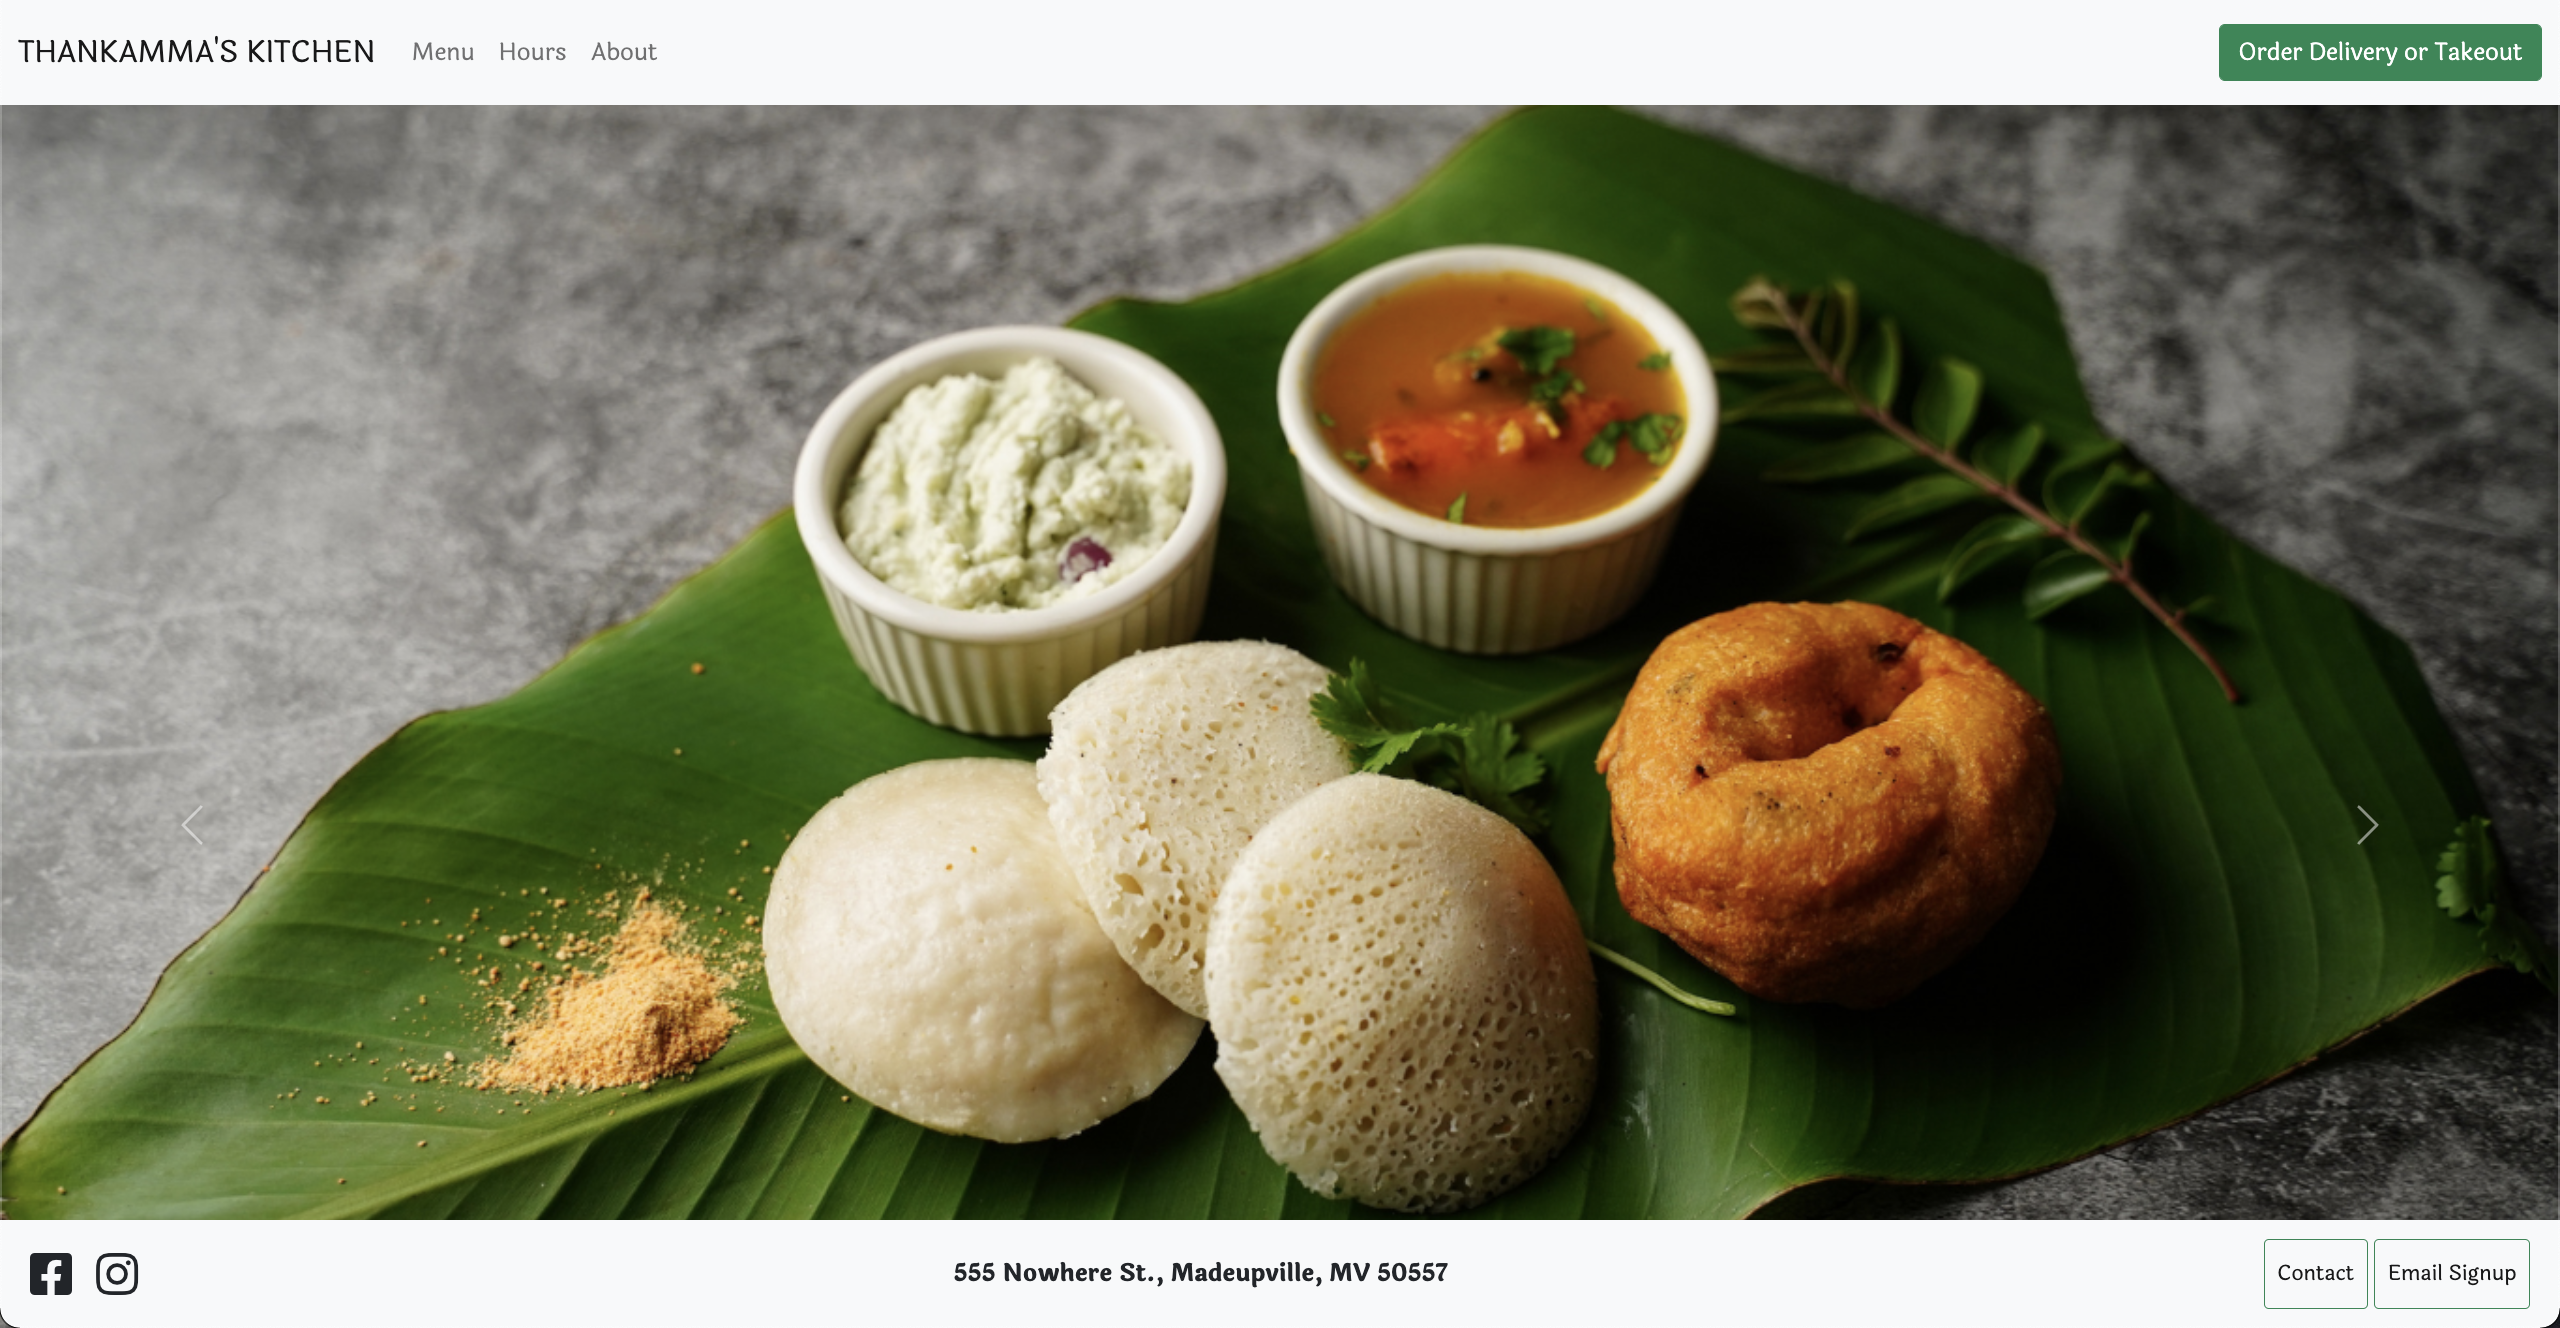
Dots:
{"x": 655, "y": 1011}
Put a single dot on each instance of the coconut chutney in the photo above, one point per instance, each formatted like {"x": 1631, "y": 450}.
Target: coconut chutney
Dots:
{"x": 1011, "y": 493}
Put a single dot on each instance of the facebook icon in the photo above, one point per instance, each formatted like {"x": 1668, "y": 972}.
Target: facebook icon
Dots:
{"x": 48, "y": 1274}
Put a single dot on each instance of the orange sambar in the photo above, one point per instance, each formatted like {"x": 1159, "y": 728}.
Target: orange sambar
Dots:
{"x": 1421, "y": 397}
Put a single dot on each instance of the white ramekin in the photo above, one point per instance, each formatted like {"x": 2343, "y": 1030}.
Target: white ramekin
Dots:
{"x": 1001, "y": 673}
{"x": 1479, "y": 589}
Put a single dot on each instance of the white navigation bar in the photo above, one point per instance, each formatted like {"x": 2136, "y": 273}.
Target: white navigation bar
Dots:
{"x": 1110, "y": 51}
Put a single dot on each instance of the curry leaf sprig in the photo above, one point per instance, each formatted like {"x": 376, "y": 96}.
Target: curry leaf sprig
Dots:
{"x": 1832, "y": 368}
{"x": 1479, "y": 759}
{"x": 2472, "y": 884}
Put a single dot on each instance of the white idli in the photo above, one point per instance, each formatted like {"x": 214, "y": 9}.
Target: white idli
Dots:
{"x": 1404, "y": 1008}
{"x": 1159, "y": 771}
{"x": 928, "y": 948}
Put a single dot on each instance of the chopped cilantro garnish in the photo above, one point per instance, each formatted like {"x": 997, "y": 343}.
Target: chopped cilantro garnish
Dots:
{"x": 1653, "y": 435}
{"x": 1539, "y": 349}
{"x": 1324, "y": 419}
{"x": 1657, "y": 361}
{"x": 1478, "y": 758}
{"x": 1355, "y": 459}
{"x": 1553, "y": 388}
{"x": 1458, "y": 510}
{"x": 1597, "y": 309}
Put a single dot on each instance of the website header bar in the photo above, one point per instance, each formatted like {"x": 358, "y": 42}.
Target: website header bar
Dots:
{"x": 1146, "y": 50}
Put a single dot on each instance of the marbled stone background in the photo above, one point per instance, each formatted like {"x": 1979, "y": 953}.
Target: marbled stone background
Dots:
{"x": 311, "y": 421}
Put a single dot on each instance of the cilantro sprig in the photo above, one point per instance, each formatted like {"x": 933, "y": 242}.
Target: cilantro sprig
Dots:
{"x": 1478, "y": 758}
{"x": 2473, "y": 884}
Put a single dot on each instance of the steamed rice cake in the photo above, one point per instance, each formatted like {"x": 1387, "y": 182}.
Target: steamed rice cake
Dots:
{"x": 1404, "y": 1007}
{"x": 928, "y": 948}
{"x": 1160, "y": 770}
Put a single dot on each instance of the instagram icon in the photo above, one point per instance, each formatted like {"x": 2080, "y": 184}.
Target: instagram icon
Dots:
{"x": 118, "y": 1274}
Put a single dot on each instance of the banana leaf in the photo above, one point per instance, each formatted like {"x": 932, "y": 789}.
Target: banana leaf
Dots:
{"x": 2204, "y": 921}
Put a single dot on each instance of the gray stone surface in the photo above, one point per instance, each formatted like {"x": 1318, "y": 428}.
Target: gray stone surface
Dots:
{"x": 311, "y": 421}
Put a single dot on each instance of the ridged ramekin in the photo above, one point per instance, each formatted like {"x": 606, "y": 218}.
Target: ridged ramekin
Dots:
{"x": 1479, "y": 589}
{"x": 1000, "y": 673}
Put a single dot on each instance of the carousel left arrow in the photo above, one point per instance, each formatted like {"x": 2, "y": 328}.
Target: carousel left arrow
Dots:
{"x": 183, "y": 825}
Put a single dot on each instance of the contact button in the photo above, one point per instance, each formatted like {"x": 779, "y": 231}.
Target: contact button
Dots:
{"x": 2453, "y": 1274}
{"x": 2315, "y": 1275}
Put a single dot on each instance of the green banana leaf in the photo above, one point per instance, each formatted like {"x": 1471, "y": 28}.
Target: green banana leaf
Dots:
{"x": 2204, "y": 921}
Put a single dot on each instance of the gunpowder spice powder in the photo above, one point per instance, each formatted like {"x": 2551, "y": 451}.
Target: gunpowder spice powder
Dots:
{"x": 656, "y": 1010}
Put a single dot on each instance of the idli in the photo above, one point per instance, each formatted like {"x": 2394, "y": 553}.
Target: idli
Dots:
{"x": 1404, "y": 1007}
{"x": 928, "y": 948}
{"x": 1160, "y": 769}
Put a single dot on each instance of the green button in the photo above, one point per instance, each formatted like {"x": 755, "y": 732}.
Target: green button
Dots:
{"x": 2396, "y": 52}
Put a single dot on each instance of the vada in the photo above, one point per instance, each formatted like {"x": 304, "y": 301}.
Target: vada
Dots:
{"x": 1826, "y": 802}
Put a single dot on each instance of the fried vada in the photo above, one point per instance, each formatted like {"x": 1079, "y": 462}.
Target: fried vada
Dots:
{"x": 1826, "y": 802}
